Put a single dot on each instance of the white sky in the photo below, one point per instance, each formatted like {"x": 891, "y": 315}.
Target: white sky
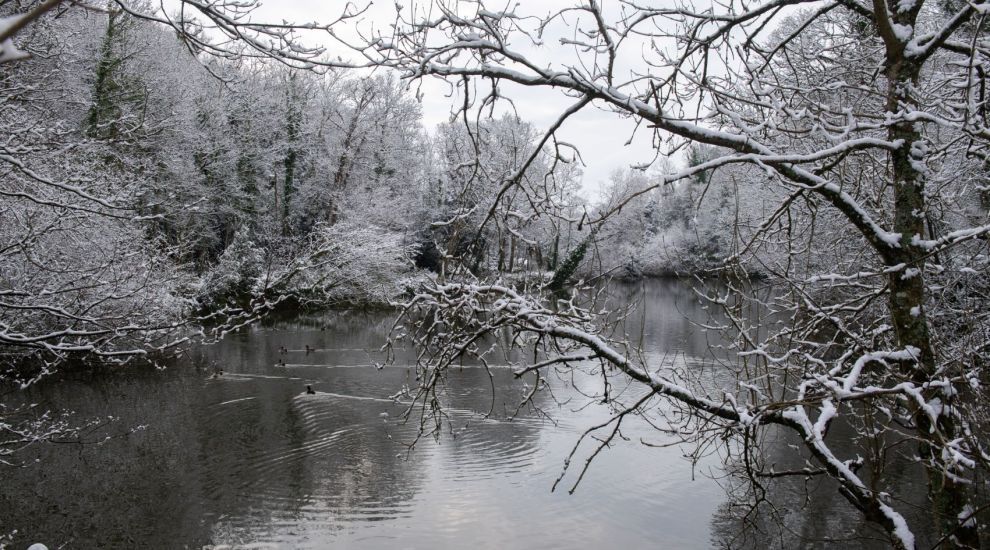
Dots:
{"x": 600, "y": 136}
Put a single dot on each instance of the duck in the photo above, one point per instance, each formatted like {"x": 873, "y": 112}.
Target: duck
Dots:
{"x": 310, "y": 390}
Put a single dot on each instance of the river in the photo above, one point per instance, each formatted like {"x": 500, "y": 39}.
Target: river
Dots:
{"x": 181, "y": 459}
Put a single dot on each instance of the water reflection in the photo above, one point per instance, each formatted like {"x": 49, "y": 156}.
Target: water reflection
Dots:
{"x": 810, "y": 512}
{"x": 249, "y": 459}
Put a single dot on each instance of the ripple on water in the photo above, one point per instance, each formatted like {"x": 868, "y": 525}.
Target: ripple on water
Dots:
{"x": 325, "y": 464}
{"x": 278, "y": 459}
{"x": 483, "y": 453}
{"x": 330, "y": 474}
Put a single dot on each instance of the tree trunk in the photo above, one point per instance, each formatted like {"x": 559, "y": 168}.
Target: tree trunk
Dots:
{"x": 501, "y": 254}
{"x": 554, "y": 252}
{"x": 512, "y": 253}
{"x": 908, "y": 292}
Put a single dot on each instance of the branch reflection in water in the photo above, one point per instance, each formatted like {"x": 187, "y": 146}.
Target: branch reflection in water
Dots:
{"x": 251, "y": 457}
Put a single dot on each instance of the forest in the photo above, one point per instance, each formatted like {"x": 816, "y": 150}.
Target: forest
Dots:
{"x": 173, "y": 175}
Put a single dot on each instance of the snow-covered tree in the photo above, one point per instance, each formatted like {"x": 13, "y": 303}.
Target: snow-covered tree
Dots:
{"x": 853, "y": 114}
{"x": 865, "y": 121}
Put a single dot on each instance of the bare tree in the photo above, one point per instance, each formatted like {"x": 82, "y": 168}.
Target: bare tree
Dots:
{"x": 136, "y": 202}
{"x": 868, "y": 119}
{"x": 863, "y": 155}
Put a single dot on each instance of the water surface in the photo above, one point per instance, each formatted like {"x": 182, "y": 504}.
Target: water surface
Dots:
{"x": 249, "y": 460}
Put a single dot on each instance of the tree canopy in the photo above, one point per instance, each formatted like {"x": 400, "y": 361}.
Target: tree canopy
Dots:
{"x": 839, "y": 148}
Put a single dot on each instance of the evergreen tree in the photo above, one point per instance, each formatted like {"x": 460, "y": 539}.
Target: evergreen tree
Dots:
{"x": 115, "y": 92}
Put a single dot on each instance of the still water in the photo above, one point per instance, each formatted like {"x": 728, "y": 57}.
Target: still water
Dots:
{"x": 249, "y": 460}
